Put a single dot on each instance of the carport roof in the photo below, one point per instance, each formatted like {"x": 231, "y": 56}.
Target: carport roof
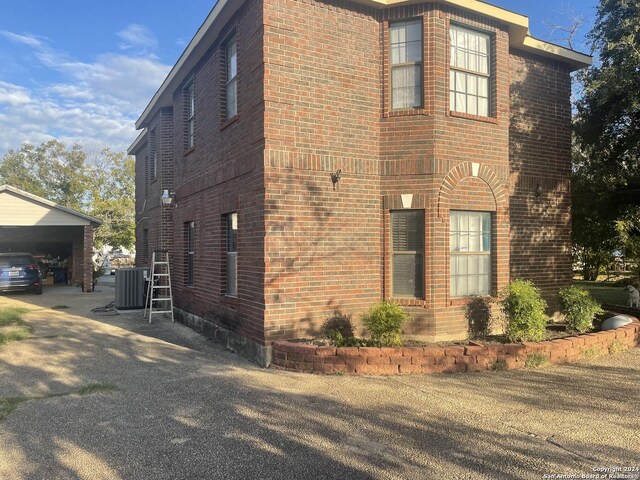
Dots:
{"x": 48, "y": 204}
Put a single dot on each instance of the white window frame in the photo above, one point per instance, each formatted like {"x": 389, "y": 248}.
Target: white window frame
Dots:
{"x": 231, "y": 221}
{"x": 401, "y": 47}
{"x": 231, "y": 77}
{"x": 153, "y": 139}
{"x": 190, "y": 114}
{"x": 418, "y": 254}
{"x": 470, "y": 249}
{"x": 190, "y": 277}
{"x": 469, "y": 71}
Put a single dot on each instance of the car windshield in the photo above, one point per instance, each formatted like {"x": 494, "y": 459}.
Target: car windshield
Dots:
{"x": 17, "y": 261}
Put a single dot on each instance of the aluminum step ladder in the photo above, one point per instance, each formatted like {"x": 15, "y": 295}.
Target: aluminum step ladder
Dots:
{"x": 159, "y": 298}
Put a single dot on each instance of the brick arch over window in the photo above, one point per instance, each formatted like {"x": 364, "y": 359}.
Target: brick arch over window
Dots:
{"x": 480, "y": 189}
{"x": 463, "y": 171}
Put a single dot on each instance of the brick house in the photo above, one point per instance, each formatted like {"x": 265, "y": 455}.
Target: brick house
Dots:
{"x": 324, "y": 155}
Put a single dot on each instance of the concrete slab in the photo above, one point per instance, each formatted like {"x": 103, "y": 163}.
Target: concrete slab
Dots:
{"x": 186, "y": 408}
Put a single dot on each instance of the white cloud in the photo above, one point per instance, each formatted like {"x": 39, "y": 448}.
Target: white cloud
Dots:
{"x": 28, "y": 40}
{"x": 93, "y": 103}
{"x": 13, "y": 95}
{"x": 137, "y": 37}
{"x": 68, "y": 91}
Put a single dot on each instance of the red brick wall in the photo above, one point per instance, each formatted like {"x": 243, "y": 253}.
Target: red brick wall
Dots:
{"x": 223, "y": 173}
{"x": 149, "y": 213}
{"x": 430, "y": 151}
{"x": 322, "y": 255}
{"x": 451, "y": 359}
{"x": 540, "y": 155}
{"x": 313, "y": 94}
{"x": 322, "y": 108}
{"x": 87, "y": 264}
{"x": 141, "y": 197}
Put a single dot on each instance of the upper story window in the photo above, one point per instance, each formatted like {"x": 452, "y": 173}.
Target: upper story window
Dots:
{"x": 406, "y": 63}
{"x": 153, "y": 154}
{"x": 146, "y": 175}
{"x": 469, "y": 73}
{"x": 231, "y": 77}
{"x": 189, "y": 115}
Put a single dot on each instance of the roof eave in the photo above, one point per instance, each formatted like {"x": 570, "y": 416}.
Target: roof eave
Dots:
{"x": 517, "y": 24}
{"x": 188, "y": 59}
{"x": 93, "y": 220}
{"x": 574, "y": 59}
{"x": 137, "y": 143}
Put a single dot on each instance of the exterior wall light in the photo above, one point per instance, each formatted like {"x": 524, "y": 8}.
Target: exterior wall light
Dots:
{"x": 335, "y": 178}
{"x": 167, "y": 198}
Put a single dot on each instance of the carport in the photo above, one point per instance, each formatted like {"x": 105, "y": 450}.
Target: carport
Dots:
{"x": 29, "y": 223}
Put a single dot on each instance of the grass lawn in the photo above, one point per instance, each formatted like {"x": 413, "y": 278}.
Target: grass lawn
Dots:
{"x": 12, "y": 326}
{"x": 605, "y": 292}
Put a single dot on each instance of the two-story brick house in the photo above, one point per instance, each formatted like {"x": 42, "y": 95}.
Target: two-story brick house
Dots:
{"x": 324, "y": 155}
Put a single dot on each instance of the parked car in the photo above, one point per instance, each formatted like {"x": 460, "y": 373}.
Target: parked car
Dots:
{"x": 20, "y": 271}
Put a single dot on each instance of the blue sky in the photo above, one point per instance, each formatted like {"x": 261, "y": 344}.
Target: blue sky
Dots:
{"x": 82, "y": 71}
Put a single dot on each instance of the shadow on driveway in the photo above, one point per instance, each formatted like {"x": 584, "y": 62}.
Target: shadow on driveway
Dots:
{"x": 207, "y": 413}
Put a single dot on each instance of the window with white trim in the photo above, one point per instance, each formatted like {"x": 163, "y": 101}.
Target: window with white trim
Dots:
{"x": 153, "y": 154}
{"x": 407, "y": 251}
{"x": 469, "y": 72}
{"x": 190, "y": 241}
{"x": 406, "y": 63}
{"x": 231, "y": 220}
{"x": 231, "y": 72}
{"x": 190, "y": 115}
{"x": 470, "y": 248}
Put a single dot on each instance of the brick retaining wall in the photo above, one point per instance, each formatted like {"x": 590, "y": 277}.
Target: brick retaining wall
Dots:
{"x": 411, "y": 360}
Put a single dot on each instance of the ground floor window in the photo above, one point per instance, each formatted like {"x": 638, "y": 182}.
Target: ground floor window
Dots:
{"x": 470, "y": 246}
{"x": 407, "y": 251}
{"x": 145, "y": 244}
{"x": 189, "y": 231}
{"x": 231, "y": 221}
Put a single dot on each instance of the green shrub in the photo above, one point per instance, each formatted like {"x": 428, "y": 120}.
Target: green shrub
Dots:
{"x": 384, "y": 322}
{"x": 479, "y": 317}
{"x": 579, "y": 308}
{"x": 338, "y": 328}
{"x": 339, "y": 340}
{"x": 524, "y": 310}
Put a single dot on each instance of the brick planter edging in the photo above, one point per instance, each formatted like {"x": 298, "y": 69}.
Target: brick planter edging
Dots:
{"x": 411, "y": 360}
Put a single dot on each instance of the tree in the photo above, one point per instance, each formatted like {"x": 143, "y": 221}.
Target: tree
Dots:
{"x": 594, "y": 232}
{"x": 606, "y": 180}
{"x": 112, "y": 198}
{"x": 568, "y": 29}
{"x": 103, "y": 187}
{"x": 607, "y": 123}
{"x": 49, "y": 171}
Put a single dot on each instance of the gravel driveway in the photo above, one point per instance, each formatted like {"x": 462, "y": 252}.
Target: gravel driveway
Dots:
{"x": 165, "y": 403}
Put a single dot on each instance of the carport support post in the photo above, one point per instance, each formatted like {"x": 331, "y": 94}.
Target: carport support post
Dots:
{"x": 87, "y": 263}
